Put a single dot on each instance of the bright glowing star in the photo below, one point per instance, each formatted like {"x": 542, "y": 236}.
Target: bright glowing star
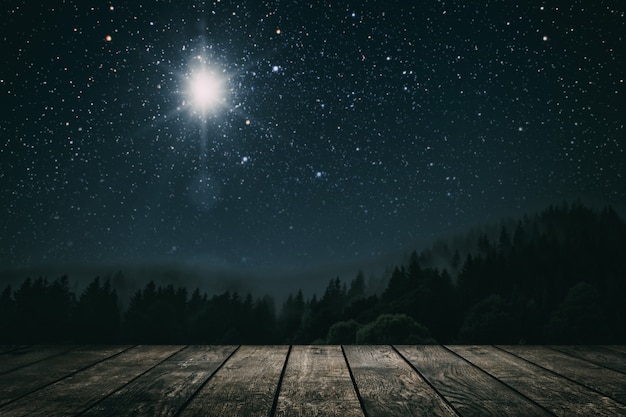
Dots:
{"x": 545, "y": 38}
{"x": 108, "y": 38}
{"x": 247, "y": 122}
{"x": 205, "y": 91}
{"x": 278, "y": 31}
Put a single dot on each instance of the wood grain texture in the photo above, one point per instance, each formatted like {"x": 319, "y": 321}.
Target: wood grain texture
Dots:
{"x": 9, "y": 348}
{"x": 269, "y": 381}
{"x": 619, "y": 348}
{"x": 317, "y": 383}
{"x": 390, "y": 387}
{"x": 599, "y": 355}
{"x": 244, "y": 386}
{"x": 163, "y": 390}
{"x": 559, "y": 395}
{"x": 608, "y": 382}
{"x": 22, "y": 381}
{"x": 76, "y": 393}
{"x": 17, "y": 358}
{"x": 470, "y": 391}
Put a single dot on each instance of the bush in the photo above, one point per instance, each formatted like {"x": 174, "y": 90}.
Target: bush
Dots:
{"x": 489, "y": 321}
{"x": 394, "y": 329}
{"x": 578, "y": 319}
{"x": 342, "y": 333}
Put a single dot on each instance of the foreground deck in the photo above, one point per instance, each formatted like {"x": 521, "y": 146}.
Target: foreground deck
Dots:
{"x": 289, "y": 381}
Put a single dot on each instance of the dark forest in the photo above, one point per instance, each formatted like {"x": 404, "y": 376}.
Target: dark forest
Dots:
{"x": 558, "y": 276}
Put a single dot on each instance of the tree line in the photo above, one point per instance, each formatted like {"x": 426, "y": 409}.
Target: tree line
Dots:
{"x": 556, "y": 277}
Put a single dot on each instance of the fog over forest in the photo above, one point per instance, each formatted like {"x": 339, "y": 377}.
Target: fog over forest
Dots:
{"x": 555, "y": 276}
{"x": 217, "y": 277}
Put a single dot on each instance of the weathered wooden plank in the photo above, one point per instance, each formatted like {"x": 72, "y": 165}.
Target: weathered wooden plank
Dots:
{"x": 78, "y": 392}
{"x": 9, "y": 348}
{"x": 22, "y": 381}
{"x": 619, "y": 348}
{"x": 470, "y": 390}
{"x": 390, "y": 387}
{"x": 608, "y": 382}
{"x": 25, "y": 356}
{"x": 317, "y": 383}
{"x": 244, "y": 386}
{"x": 599, "y": 355}
{"x": 557, "y": 394}
{"x": 163, "y": 390}
{"x": 146, "y": 381}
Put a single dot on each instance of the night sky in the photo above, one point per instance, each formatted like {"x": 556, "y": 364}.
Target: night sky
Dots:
{"x": 270, "y": 134}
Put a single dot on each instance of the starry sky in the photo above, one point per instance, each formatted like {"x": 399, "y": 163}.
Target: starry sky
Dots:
{"x": 324, "y": 131}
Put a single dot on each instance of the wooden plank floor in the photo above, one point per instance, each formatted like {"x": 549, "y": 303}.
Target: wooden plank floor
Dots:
{"x": 364, "y": 381}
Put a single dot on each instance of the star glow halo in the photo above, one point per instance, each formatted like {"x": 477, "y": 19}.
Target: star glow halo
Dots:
{"x": 205, "y": 90}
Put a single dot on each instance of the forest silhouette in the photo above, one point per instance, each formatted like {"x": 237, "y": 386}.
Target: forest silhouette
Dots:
{"x": 558, "y": 276}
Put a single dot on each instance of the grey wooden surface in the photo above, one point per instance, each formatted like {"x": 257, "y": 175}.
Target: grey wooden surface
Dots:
{"x": 367, "y": 381}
